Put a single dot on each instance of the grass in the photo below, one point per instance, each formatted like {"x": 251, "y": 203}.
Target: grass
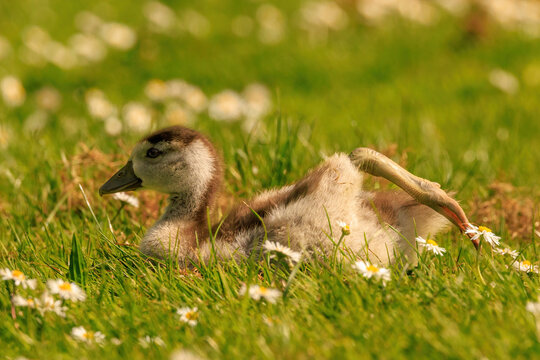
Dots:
{"x": 426, "y": 90}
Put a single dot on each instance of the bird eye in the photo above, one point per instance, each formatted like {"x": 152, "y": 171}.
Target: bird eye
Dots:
{"x": 153, "y": 153}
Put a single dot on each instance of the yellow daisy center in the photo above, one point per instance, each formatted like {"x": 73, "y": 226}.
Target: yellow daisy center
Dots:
{"x": 432, "y": 242}
{"x": 88, "y": 335}
{"x": 373, "y": 268}
{"x": 65, "y": 286}
{"x": 483, "y": 228}
{"x": 192, "y": 315}
{"x": 30, "y": 301}
{"x": 17, "y": 274}
{"x": 263, "y": 290}
{"x": 526, "y": 263}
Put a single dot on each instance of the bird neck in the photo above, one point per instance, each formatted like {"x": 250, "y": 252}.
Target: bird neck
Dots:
{"x": 184, "y": 224}
{"x": 187, "y": 209}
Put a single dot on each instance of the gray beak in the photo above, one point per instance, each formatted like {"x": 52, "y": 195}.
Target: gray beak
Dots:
{"x": 124, "y": 180}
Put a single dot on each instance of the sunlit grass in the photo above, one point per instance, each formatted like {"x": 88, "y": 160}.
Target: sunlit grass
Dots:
{"x": 422, "y": 95}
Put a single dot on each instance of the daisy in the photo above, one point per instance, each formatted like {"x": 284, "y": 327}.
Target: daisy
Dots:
{"x": 484, "y": 232}
{"x": 48, "y": 303}
{"x": 369, "y": 270}
{"x": 188, "y": 315}
{"x": 128, "y": 199}
{"x": 183, "y": 354}
{"x": 504, "y": 81}
{"x": 258, "y": 101}
{"x": 345, "y": 229}
{"x": 506, "y": 251}
{"x": 98, "y": 105}
{"x": 430, "y": 245}
{"x": 148, "y": 340}
{"x": 116, "y": 341}
{"x": 18, "y": 278}
{"x": 137, "y": 116}
{"x": 270, "y": 321}
{"x": 20, "y": 301}
{"x": 525, "y": 266}
{"x": 79, "y": 333}
{"x": 119, "y": 36}
{"x": 226, "y": 106}
{"x": 277, "y": 250}
{"x": 195, "y": 98}
{"x": 113, "y": 126}
{"x": 66, "y": 290}
{"x": 12, "y": 91}
{"x": 534, "y": 307}
{"x": 257, "y": 292}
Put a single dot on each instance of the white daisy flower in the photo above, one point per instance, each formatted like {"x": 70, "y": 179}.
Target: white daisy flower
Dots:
{"x": 138, "y": 117}
{"x": 128, "y": 199}
{"x": 272, "y": 24}
{"x": 534, "y": 307}
{"x": 119, "y": 36}
{"x": 156, "y": 90}
{"x": 27, "y": 302}
{"x": 149, "y": 340}
{"x": 369, "y": 271}
{"x": 113, "y": 126}
{"x": 323, "y": 15}
{"x": 504, "y": 81}
{"x": 345, "y": 229}
{"x": 98, "y": 105}
{"x": 257, "y": 101}
{"x": 276, "y": 250}
{"x": 195, "y": 98}
{"x": 116, "y": 341}
{"x": 506, "y": 251}
{"x": 183, "y": 354}
{"x": 484, "y": 232}
{"x": 270, "y": 321}
{"x": 226, "y": 106}
{"x": 161, "y": 17}
{"x": 48, "y": 303}
{"x": 257, "y": 292}
{"x": 176, "y": 114}
{"x": 79, "y": 333}
{"x": 66, "y": 290}
{"x": 88, "y": 22}
{"x": 188, "y": 315}
{"x": 88, "y": 46}
{"x": 12, "y": 91}
{"x": 526, "y": 266}
{"x": 18, "y": 278}
{"x": 430, "y": 245}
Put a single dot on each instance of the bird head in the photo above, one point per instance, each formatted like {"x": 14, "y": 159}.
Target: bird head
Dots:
{"x": 174, "y": 160}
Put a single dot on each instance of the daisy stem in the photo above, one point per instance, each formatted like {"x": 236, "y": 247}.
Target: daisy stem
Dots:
{"x": 336, "y": 248}
{"x": 478, "y": 264}
{"x": 118, "y": 212}
{"x": 291, "y": 278}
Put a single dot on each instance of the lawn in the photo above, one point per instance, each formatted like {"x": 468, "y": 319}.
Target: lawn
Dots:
{"x": 453, "y": 97}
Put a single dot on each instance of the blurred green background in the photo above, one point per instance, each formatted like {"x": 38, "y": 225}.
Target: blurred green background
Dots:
{"x": 450, "y": 85}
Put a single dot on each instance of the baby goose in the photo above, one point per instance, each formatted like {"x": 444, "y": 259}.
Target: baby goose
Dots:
{"x": 184, "y": 164}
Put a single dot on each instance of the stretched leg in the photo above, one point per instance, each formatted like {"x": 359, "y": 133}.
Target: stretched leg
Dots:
{"x": 422, "y": 190}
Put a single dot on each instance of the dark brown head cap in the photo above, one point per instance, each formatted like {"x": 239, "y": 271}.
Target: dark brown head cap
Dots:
{"x": 174, "y": 133}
